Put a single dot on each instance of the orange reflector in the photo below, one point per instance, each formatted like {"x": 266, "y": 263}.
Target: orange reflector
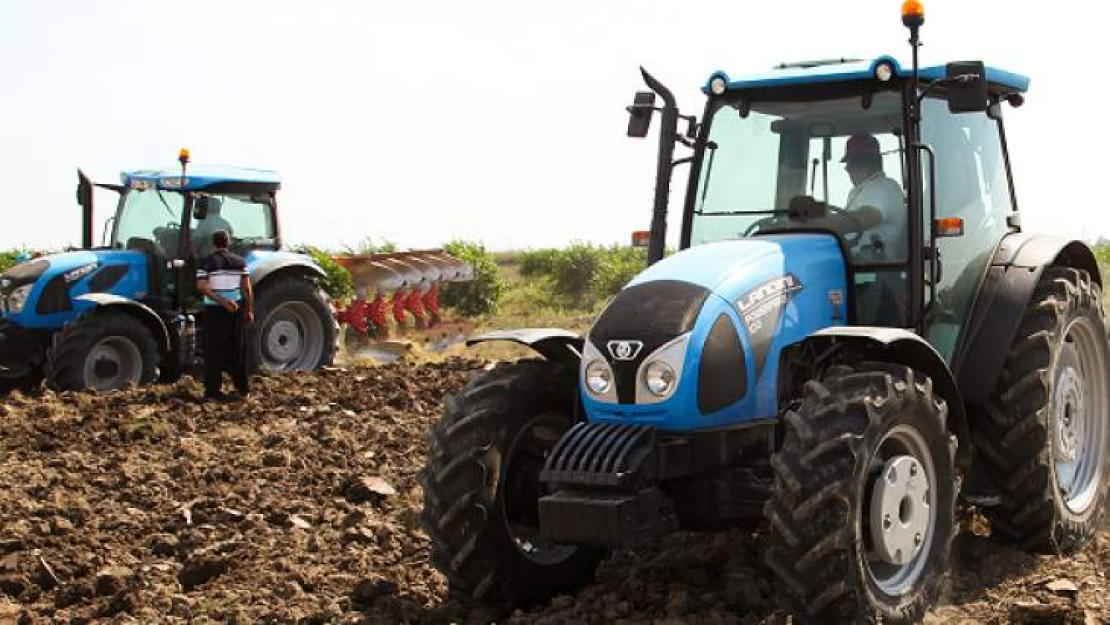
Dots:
{"x": 640, "y": 238}
{"x": 913, "y": 8}
{"x": 949, "y": 227}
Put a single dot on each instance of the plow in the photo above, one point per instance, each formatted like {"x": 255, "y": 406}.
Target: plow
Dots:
{"x": 396, "y": 303}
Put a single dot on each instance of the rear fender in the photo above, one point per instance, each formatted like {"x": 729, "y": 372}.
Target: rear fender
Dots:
{"x": 906, "y": 348}
{"x": 551, "y": 343}
{"x": 280, "y": 262}
{"x": 141, "y": 311}
{"x": 1003, "y": 296}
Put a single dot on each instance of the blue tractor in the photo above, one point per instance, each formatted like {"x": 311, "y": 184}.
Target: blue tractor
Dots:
{"x": 127, "y": 312}
{"x": 839, "y": 375}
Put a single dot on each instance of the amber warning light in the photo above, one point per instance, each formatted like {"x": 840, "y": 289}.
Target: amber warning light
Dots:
{"x": 913, "y": 13}
{"x": 949, "y": 227}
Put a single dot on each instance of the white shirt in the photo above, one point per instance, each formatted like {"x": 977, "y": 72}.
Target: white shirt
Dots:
{"x": 884, "y": 194}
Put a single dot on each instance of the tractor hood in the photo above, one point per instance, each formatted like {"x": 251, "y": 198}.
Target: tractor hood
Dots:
{"x": 56, "y": 281}
{"x": 717, "y": 315}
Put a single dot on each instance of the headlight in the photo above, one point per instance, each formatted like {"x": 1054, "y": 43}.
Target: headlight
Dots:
{"x": 18, "y": 298}
{"x": 599, "y": 378}
{"x": 659, "y": 377}
{"x": 884, "y": 71}
{"x": 717, "y": 85}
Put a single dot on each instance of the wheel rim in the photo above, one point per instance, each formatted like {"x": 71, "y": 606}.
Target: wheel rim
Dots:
{"x": 292, "y": 338}
{"x": 900, "y": 513}
{"x": 1079, "y": 402}
{"x": 522, "y": 489}
{"x": 112, "y": 363}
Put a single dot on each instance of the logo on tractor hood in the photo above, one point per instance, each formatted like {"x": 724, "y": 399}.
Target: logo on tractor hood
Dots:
{"x": 761, "y": 309}
{"x": 624, "y": 350}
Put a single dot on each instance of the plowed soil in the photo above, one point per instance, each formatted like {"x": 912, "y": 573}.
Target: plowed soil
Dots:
{"x": 301, "y": 504}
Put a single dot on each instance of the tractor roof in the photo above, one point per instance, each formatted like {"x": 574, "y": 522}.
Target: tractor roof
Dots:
{"x": 199, "y": 177}
{"x": 816, "y": 72}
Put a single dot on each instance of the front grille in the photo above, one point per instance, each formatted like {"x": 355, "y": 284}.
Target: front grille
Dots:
{"x": 601, "y": 454}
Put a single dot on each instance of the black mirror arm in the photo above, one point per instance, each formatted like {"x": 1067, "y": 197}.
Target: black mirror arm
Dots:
{"x": 962, "y": 78}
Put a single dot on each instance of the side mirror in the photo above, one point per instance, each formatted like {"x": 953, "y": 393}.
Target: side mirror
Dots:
{"x": 639, "y": 114}
{"x": 200, "y": 207}
{"x": 966, "y": 84}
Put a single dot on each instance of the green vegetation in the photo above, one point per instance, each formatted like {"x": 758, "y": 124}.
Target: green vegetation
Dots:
{"x": 582, "y": 275}
{"x": 10, "y": 258}
{"x": 337, "y": 281}
{"x": 481, "y": 295}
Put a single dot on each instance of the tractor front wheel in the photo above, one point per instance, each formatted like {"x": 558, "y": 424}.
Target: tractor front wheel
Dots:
{"x": 103, "y": 350}
{"x": 481, "y": 488}
{"x": 20, "y": 359}
{"x": 862, "y": 515}
{"x": 1042, "y": 436}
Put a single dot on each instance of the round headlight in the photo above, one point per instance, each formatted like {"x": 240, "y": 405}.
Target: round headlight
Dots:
{"x": 18, "y": 298}
{"x": 717, "y": 85}
{"x": 659, "y": 378}
{"x": 599, "y": 379}
{"x": 884, "y": 71}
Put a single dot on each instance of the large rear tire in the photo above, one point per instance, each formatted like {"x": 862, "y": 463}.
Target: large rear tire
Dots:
{"x": 862, "y": 515}
{"x": 481, "y": 488}
{"x": 1042, "y": 436}
{"x": 103, "y": 350}
{"x": 294, "y": 327}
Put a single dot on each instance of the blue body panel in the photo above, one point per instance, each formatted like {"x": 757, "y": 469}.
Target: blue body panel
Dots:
{"x": 731, "y": 270}
{"x": 132, "y": 285}
{"x": 199, "y": 177}
{"x": 854, "y": 70}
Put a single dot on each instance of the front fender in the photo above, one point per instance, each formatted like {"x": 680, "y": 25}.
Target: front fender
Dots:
{"x": 142, "y": 311}
{"x": 551, "y": 343}
{"x": 906, "y": 348}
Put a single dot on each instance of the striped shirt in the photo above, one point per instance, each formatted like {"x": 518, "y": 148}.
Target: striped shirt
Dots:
{"x": 224, "y": 272}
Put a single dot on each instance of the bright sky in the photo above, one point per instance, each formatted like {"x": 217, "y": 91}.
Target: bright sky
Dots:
{"x": 498, "y": 121}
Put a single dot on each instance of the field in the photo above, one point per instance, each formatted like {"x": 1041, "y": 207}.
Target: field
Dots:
{"x": 301, "y": 506}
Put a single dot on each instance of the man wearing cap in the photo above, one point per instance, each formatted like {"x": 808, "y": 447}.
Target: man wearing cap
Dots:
{"x": 875, "y": 197}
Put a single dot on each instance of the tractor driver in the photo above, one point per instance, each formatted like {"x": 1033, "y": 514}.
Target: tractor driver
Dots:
{"x": 875, "y": 200}
{"x": 213, "y": 222}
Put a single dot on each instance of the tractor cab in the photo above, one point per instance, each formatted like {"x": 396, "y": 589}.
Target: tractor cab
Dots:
{"x": 826, "y": 148}
{"x": 170, "y": 217}
{"x": 853, "y": 149}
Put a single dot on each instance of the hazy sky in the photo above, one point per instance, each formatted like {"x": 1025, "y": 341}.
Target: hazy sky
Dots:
{"x": 499, "y": 121}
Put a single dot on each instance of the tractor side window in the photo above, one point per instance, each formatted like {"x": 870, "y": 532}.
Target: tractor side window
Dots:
{"x": 249, "y": 222}
{"x": 972, "y": 184}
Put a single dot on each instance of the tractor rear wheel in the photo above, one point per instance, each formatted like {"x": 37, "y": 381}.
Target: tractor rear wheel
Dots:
{"x": 1042, "y": 436}
{"x": 103, "y": 350}
{"x": 481, "y": 488}
{"x": 862, "y": 515}
{"x": 294, "y": 327}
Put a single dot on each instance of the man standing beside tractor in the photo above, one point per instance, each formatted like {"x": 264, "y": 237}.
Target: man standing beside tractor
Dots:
{"x": 228, "y": 307}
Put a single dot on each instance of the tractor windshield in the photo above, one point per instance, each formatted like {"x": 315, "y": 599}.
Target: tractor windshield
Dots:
{"x": 149, "y": 219}
{"x": 786, "y": 153}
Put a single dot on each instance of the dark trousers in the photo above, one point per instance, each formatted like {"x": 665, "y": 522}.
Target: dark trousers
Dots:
{"x": 223, "y": 349}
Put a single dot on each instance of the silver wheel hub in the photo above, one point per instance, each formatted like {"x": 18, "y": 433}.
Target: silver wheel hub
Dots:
{"x": 283, "y": 341}
{"x": 112, "y": 363}
{"x": 1079, "y": 403}
{"x": 900, "y": 511}
{"x": 1070, "y": 409}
